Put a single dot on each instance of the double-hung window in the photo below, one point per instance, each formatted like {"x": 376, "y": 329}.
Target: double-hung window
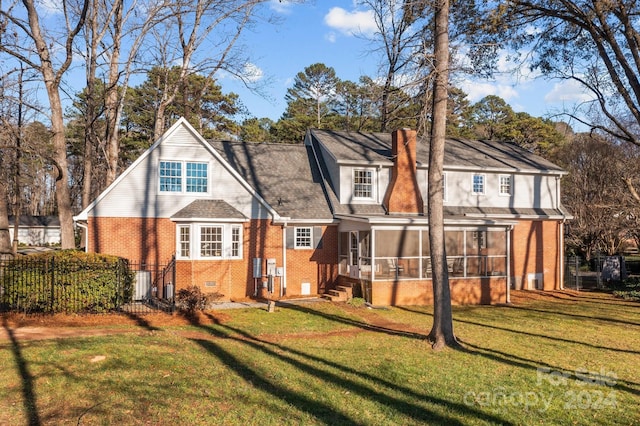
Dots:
{"x": 236, "y": 241}
{"x": 304, "y": 237}
{"x": 477, "y": 185}
{"x": 170, "y": 176}
{"x": 184, "y": 241}
{"x": 183, "y": 176}
{"x": 505, "y": 185}
{"x": 211, "y": 241}
{"x": 362, "y": 183}
{"x": 196, "y": 177}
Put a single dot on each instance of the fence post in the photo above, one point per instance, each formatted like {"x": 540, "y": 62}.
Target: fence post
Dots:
{"x": 53, "y": 279}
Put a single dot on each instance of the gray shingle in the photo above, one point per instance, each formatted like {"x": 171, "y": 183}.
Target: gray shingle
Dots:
{"x": 209, "y": 209}
{"x": 375, "y": 148}
{"x": 284, "y": 175}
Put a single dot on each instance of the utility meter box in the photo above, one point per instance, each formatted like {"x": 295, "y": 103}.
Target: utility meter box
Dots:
{"x": 257, "y": 267}
{"x": 271, "y": 267}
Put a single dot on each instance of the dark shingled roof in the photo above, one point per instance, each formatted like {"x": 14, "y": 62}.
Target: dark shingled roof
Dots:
{"x": 500, "y": 211}
{"x": 375, "y": 148}
{"x": 36, "y": 221}
{"x": 209, "y": 209}
{"x": 284, "y": 175}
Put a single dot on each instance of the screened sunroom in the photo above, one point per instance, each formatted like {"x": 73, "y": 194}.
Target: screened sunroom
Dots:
{"x": 387, "y": 252}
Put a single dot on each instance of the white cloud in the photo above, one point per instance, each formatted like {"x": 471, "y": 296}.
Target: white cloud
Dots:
{"x": 567, "y": 91}
{"x": 331, "y": 37}
{"x": 476, "y": 90}
{"x": 350, "y": 23}
{"x": 281, "y": 6}
{"x": 252, "y": 72}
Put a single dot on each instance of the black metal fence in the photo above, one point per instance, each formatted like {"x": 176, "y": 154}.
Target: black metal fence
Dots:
{"x": 599, "y": 272}
{"x": 36, "y": 285}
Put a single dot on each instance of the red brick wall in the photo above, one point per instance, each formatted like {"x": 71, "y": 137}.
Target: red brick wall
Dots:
{"x": 536, "y": 250}
{"x": 234, "y": 278}
{"x": 468, "y": 291}
{"x": 152, "y": 241}
{"x": 319, "y": 267}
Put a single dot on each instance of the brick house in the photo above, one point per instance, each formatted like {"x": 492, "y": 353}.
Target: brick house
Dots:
{"x": 342, "y": 208}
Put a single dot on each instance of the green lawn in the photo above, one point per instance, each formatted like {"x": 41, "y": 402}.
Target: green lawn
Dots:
{"x": 560, "y": 359}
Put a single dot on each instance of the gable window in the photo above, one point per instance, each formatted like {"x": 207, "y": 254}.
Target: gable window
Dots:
{"x": 478, "y": 184}
{"x": 196, "y": 177}
{"x": 170, "y": 176}
{"x": 362, "y": 183}
{"x": 303, "y": 238}
{"x": 505, "y": 185}
{"x": 177, "y": 176}
{"x": 211, "y": 241}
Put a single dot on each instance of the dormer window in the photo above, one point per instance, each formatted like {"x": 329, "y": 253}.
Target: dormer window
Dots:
{"x": 477, "y": 184}
{"x": 505, "y": 185}
{"x": 362, "y": 183}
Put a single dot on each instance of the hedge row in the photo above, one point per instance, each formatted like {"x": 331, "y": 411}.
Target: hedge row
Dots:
{"x": 65, "y": 281}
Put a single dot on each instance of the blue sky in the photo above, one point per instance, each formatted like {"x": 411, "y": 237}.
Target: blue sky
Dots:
{"x": 325, "y": 31}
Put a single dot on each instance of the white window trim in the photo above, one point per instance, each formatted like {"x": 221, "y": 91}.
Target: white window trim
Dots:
{"x": 295, "y": 238}
{"x": 484, "y": 184}
{"x": 505, "y": 194}
{"x": 179, "y": 228}
{"x": 194, "y": 242}
{"x": 445, "y": 192}
{"x": 183, "y": 177}
{"x": 240, "y": 253}
{"x": 353, "y": 183}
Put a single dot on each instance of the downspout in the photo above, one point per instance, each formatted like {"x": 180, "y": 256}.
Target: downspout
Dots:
{"x": 508, "y": 289}
{"x": 561, "y": 253}
{"x": 86, "y": 235}
{"x": 283, "y": 279}
{"x": 378, "y": 177}
{"x": 560, "y": 237}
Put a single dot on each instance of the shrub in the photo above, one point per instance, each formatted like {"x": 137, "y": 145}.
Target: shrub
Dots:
{"x": 65, "y": 281}
{"x": 630, "y": 289}
{"x": 192, "y": 299}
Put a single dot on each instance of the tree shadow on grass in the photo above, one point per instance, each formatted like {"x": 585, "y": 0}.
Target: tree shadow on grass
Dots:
{"x": 29, "y": 399}
{"x": 578, "y": 297}
{"x": 538, "y": 335}
{"x": 579, "y": 316}
{"x": 353, "y": 322}
{"x": 520, "y": 362}
{"x": 366, "y": 385}
{"x": 141, "y": 321}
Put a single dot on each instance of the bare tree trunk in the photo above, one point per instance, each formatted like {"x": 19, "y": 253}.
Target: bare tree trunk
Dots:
{"x": 90, "y": 113}
{"x": 441, "y": 333}
{"x": 52, "y": 81}
{"x": 112, "y": 98}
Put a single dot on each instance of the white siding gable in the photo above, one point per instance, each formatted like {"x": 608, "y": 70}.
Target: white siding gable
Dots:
{"x": 528, "y": 190}
{"x": 136, "y": 192}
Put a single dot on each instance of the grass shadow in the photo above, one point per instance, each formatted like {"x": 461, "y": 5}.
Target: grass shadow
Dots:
{"x": 29, "y": 399}
{"x": 372, "y": 388}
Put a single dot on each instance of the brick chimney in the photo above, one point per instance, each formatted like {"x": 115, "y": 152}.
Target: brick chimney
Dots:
{"x": 403, "y": 194}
